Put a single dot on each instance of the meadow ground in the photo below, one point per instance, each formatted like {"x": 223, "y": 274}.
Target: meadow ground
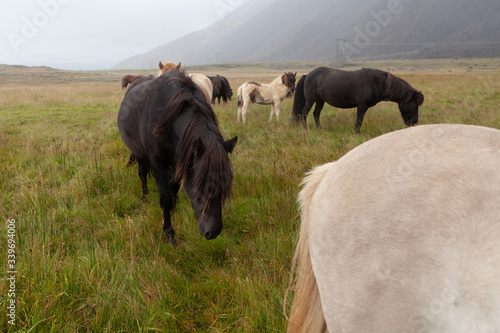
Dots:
{"x": 90, "y": 255}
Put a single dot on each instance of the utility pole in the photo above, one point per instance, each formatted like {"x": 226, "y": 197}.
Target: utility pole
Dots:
{"x": 341, "y": 49}
{"x": 219, "y": 58}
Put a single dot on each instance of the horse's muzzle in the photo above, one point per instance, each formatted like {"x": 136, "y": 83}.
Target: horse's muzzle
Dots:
{"x": 209, "y": 230}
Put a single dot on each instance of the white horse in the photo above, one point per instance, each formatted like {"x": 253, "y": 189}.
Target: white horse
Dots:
{"x": 261, "y": 93}
{"x": 402, "y": 234}
{"x": 201, "y": 80}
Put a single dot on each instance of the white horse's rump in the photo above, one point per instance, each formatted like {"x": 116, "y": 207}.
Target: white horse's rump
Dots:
{"x": 261, "y": 93}
{"x": 402, "y": 234}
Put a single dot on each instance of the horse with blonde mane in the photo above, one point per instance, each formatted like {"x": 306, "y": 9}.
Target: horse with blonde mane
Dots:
{"x": 201, "y": 80}
{"x": 168, "y": 66}
{"x": 273, "y": 93}
{"x": 402, "y": 235}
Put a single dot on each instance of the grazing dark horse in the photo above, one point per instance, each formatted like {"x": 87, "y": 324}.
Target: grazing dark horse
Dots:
{"x": 222, "y": 89}
{"x": 172, "y": 131}
{"x": 363, "y": 89}
{"x": 127, "y": 79}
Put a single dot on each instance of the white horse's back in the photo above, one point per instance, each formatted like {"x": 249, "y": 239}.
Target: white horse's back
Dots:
{"x": 202, "y": 81}
{"x": 403, "y": 234}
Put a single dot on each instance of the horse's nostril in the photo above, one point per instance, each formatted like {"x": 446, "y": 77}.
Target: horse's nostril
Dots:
{"x": 208, "y": 235}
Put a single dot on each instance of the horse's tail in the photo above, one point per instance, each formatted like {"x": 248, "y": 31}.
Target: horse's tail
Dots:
{"x": 299, "y": 100}
{"x": 307, "y": 313}
{"x": 239, "y": 98}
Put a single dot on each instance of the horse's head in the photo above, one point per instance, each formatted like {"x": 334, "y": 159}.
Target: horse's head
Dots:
{"x": 166, "y": 66}
{"x": 207, "y": 183}
{"x": 409, "y": 108}
{"x": 289, "y": 81}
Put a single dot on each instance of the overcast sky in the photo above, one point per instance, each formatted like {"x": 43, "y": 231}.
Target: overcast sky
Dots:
{"x": 97, "y": 34}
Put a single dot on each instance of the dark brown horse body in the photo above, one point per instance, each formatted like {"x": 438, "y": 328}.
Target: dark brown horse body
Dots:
{"x": 221, "y": 89}
{"x": 362, "y": 89}
{"x": 170, "y": 128}
{"x": 128, "y": 79}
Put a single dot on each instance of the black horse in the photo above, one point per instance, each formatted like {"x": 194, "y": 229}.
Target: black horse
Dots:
{"x": 172, "y": 131}
{"x": 221, "y": 88}
{"x": 363, "y": 89}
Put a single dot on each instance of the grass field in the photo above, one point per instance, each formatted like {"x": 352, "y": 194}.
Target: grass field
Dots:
{"x": 90, "y": 255}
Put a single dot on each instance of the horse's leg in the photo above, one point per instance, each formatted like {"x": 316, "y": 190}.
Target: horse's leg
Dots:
{"x": 240, "y": 109}
{"x": 273, "y": 111}
{"x": 168, "y": 189}
{"x": 305, "y": 111}
{"x": 361, "y": 114}
{"x": 317, "y": 111}
{"x": 277, "y": 110}
{"x": 144, "y": 167}
{"x": 244, "y": 110}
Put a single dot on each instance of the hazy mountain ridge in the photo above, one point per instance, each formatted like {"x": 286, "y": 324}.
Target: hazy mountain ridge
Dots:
{"x": 284, "y": 30}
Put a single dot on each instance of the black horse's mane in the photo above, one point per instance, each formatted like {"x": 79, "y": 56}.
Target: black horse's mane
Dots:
{"x": 201, "y": 139}
{"x": 397, "y": 89}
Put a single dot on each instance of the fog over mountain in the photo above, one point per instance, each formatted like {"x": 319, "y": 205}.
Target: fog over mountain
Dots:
{"x": 324, "y": 30}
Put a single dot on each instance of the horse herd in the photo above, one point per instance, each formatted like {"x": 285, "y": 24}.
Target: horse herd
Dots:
{"x": 399, "y": 235}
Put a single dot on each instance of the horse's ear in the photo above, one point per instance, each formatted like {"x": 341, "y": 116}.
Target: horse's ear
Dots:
{"x": 198, "y": 147}
{"x": 420, "y": 98}
{"x": 160, "y": 65}
{"x": 178, "y": 67}
{"x": 229, "y": 144}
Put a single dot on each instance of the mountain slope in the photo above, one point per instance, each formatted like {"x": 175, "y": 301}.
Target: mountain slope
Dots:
{"x": 299, "y": 30}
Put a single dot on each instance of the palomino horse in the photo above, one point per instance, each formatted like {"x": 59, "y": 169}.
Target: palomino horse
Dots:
{"x": 261, "y": 93}
{"x": 201, "y": 80}
{"x": 172, "y": 131}
{"x": 127, "y": 79}
{"x": 402, "y": 235}
{"x": 363, "y": 89}
{"x": 167, "y": 66}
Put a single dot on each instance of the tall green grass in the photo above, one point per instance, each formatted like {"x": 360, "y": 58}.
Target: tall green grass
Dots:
{"x": 91, "y": 255}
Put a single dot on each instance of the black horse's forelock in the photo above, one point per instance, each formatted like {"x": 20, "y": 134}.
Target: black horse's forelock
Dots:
{"x": 400, "y": 91}
{"x": 213, "y": 173}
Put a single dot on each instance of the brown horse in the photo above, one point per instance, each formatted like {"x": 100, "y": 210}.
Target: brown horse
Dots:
{"x": 359, "y": 89}
{"x": 127, "y": 79}
{"x": 167, "y": 66}
{"x": 222, "y": 89}
{"x": 172, "y": 130}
